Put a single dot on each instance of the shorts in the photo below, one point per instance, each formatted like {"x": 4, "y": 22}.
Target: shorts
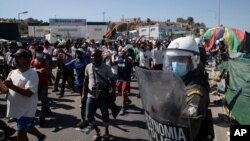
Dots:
{"x": 122, "y": 86}
{"x": 25, "y": 123}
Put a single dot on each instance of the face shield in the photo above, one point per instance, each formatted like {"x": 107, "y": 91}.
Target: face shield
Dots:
{"x": 178, "y": 61}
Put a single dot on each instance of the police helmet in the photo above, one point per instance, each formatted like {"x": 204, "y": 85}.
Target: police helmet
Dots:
{"x": 184, "y": 48}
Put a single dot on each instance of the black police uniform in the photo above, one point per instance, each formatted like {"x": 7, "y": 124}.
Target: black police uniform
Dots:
{"x": 197, "y": 100}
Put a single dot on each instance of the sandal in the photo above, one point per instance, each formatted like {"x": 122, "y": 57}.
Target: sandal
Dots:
{"x": 105, "y": 138}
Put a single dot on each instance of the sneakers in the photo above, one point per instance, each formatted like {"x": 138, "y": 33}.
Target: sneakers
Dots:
{"x": 82, "y": 124}
{"x": 42, "y": 138}
{"x": 87, "y": 130}
{"x": 122, "y": 111}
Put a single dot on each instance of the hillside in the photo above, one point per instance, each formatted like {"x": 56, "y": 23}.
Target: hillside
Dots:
{"x": 132, "y": 24}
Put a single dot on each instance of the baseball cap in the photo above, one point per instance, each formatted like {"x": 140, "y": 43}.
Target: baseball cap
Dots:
{"x": 22, "y": 52}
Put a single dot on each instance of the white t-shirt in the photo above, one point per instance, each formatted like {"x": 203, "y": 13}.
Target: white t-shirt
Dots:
{"x": 17, "y": 104}
{"x": 157, "y": 55}
{"x": 144, "y": 58}
{"x": 49, "y": 50}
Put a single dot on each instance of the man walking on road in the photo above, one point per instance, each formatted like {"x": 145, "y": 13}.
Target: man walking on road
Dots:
{"x": 97, "y": 80}
{"x": 22, "y": 85}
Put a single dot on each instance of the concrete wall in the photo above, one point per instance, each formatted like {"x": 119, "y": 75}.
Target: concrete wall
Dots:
{"x": 96, "y": 32}
{"x": 38, "y": 31}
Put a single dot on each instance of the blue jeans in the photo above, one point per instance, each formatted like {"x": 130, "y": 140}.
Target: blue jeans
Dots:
{"x": 91, "y": 107}
{"x": 25, "y": 123}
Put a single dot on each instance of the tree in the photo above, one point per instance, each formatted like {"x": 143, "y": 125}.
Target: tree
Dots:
{"x": 190, "y": 20}
{"x": 180, "y": 20}
{"x": 202, "y": 24}
{"x": 148, "y": 20}
{"x": 197, "y": 24}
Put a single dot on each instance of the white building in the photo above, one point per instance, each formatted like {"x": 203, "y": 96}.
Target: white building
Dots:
{"x": 158, "y": 31}
{"x": 96, "y": 30}
{"x": 68, "y": 29}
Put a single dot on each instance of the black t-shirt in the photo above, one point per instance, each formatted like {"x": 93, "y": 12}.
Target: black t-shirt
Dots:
{"x": 124, "y": 69}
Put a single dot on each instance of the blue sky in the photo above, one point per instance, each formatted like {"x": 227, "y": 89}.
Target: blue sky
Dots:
{"x": 233, "y": 13}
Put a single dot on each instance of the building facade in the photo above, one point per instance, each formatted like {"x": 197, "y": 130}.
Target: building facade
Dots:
{"x": 158, "y": 31}
{"x": 96, "y": 30}
{"x": 38, "y": 29}
{"x": 68, "y": 29}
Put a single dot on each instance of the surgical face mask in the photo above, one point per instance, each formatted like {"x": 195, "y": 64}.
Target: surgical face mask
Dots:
{"x": 179, "y": 69}
{"x": 39, "y": 55}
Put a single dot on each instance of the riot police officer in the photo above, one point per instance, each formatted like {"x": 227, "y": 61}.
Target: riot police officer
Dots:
{"x": 182, "y": 58}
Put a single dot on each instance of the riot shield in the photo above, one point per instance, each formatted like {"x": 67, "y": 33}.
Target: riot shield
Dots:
{"x": 163, "y": 99}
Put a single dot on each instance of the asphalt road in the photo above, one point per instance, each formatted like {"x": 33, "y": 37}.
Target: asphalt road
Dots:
{"x": 66, "y": 114}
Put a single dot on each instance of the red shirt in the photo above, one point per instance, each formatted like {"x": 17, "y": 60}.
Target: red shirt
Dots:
{"x": 43, "y": 77}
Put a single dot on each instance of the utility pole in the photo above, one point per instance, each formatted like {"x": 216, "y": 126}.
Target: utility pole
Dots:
{"x": 103, "y": 16}
{"x": 219, "y": 13}
{"x": 25, "y": 12}
{"x": 19, "y": 21}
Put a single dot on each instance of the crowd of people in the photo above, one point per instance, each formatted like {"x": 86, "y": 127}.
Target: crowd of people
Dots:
{"x": 105, "y": 67}
{"x": 103, "y": 70}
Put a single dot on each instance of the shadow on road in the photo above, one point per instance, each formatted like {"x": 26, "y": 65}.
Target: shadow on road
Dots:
{"x": 57, "y": 103}
{"x": 135, "y": 88}
{"x": 13, "y": 138}
{"x": 115, "y": 138}
{"x": 221, "y": 121}
{"x": 134, "y": 123}
{"x": 133, "y": 109}
{"x": 60, "y": 121}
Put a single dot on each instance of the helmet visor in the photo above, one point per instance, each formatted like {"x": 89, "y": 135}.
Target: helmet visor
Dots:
{"x": 168, "y": 60}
